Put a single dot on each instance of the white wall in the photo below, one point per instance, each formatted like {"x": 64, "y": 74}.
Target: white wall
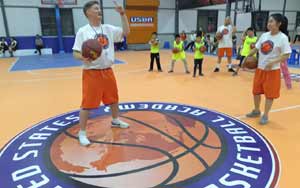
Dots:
{"x": 166, "y": 17}
{"x": 269, "y": 5}
{"x": 2, "y": 29}
{"x": 79, "y": 19}
{"x": 166, "y": 21}
{"x": 112, "y": 17}
{"x": 38, "y": 3}
{"x": 167, "y": 4}
{"x": 23, "y": 21}
{"x": 111, "y": 4}
{"x": 188, "y": 20}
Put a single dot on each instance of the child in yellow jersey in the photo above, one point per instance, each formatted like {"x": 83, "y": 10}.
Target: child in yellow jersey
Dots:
{"x": 248, "y": 44}
{"x": 178, "y": 46}
{"x": 198, "y": 57}
{"x": 154, "y": 47}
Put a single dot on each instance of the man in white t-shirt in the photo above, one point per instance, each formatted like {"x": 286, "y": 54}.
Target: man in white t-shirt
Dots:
{"x": 98, "y": 80}
{"x": 225, "y": 44}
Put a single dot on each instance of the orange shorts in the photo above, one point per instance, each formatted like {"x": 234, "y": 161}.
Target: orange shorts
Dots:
{"x": 268, "y": 83}
{"x": 98, "y": 86}
{"x": 221, "y": 52}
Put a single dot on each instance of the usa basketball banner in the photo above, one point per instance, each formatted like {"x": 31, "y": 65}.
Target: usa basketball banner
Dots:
{"x": 142, "y": 17}
{"x": 167, "y": 145}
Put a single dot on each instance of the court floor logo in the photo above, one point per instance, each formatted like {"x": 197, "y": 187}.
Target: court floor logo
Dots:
{"x": 167, "y": 145}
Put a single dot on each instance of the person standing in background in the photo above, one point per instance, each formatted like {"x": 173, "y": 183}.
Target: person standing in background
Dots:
{"x": 39, "y": 44}
{"x": 225, "y": 44}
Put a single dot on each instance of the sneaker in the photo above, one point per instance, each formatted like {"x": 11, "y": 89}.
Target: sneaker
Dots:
{"x": 83, "y": 140}
{"x": 264, "y": 120}
{"x": 187, "y": 72}
{"x": 170, "y": 71}
{"x": 217, "y": 70}
{"x": 201, "y": 74}
{"x": 235, "y": 74}
{"x": 160, "y": 70}
{"x": 253, "y": 114}
{"x": 119, "y": 124}
{"x": 231, "y": 70}
{"x": 150, "y": 70}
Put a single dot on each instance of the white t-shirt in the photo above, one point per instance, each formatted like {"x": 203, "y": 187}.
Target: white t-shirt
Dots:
{"x": 108, "y": 34}
{"x": 271, "y": 47}
{"x": 226, "y": 41}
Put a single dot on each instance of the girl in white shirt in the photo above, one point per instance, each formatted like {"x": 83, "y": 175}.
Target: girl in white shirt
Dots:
{"x": 273, "y": 48}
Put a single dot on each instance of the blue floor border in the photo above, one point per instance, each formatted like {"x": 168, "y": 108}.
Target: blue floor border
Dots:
{"x": 28, "y": 63}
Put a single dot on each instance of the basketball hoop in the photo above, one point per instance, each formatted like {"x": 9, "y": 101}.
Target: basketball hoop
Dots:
{"x": 60, "y": 3}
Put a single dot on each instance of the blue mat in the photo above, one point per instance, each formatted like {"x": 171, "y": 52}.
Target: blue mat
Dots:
{"x": 47, "y": 62}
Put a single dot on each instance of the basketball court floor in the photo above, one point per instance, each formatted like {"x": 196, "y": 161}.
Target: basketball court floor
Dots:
{"x": 29, "y": 96}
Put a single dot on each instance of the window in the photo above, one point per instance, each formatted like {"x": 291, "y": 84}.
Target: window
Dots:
{"x": 67, "y": 23}
{"x": 260, "y": 20}
{"x": 207, "y": 20}
{"x": 298, "y": 19}
{"x": 48, "y": 21}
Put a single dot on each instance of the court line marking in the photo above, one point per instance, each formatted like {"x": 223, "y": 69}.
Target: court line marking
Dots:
{"x": 275, "y": 110}
{"x": 77, "y": 76}
{"x": 13, "y": 64}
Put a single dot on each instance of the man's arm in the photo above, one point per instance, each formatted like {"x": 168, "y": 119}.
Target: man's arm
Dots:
{"x": 78, "y": 55}
{"x": 124, "y": 19}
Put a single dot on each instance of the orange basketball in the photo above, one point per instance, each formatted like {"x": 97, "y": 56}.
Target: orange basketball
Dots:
{"x": 219, "y": 36}
{"x": 250, "y": 63}
{"x": 91, "y": 49}
{"x": 146, "y": 151}
{"x": 202, "y": 49}
{"x": 175, "y": 50}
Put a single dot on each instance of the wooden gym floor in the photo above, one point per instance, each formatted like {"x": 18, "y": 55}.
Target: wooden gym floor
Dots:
{"x": 28, "y": 97}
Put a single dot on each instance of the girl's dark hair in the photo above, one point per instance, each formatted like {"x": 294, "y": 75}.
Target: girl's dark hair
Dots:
{"x": 252, "y": 29}
{"x": 177, "y": 36}
{"x": 199, "y": 34}
{"x": 279, "y": 18}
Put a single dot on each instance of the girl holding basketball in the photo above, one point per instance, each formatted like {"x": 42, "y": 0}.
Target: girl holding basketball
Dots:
{"x": 248, "y": 43}
{"x": 178, "y": 54}
{"x": 273, "y": 48}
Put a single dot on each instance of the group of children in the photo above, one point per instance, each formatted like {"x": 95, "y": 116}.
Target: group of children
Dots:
{"x": 273, "y": 49}
{"x": 178, "y": 53}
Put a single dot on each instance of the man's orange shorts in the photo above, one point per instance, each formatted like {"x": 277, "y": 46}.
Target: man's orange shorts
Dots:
{"x": 222, "y": 51}
{"x": 98, "y": 86}
{"x": 268, "y": 83}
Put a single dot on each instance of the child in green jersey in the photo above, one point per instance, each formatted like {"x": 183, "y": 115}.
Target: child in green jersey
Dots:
{"x": 154, "y": 47}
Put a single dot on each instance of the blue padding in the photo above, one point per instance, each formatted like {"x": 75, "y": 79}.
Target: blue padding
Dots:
{"x": 47, "y": 62}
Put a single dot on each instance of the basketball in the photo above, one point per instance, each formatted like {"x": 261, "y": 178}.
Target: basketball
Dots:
{"x": 153, "y": 138}
{"x": 203, "y": 49}
{"x": 175, "y": 50}
{"x": 252, "y": 46}
{"x": 250, "y": 63}
{"x": 91, "y": 49}
{"x": 219, "y": 36}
